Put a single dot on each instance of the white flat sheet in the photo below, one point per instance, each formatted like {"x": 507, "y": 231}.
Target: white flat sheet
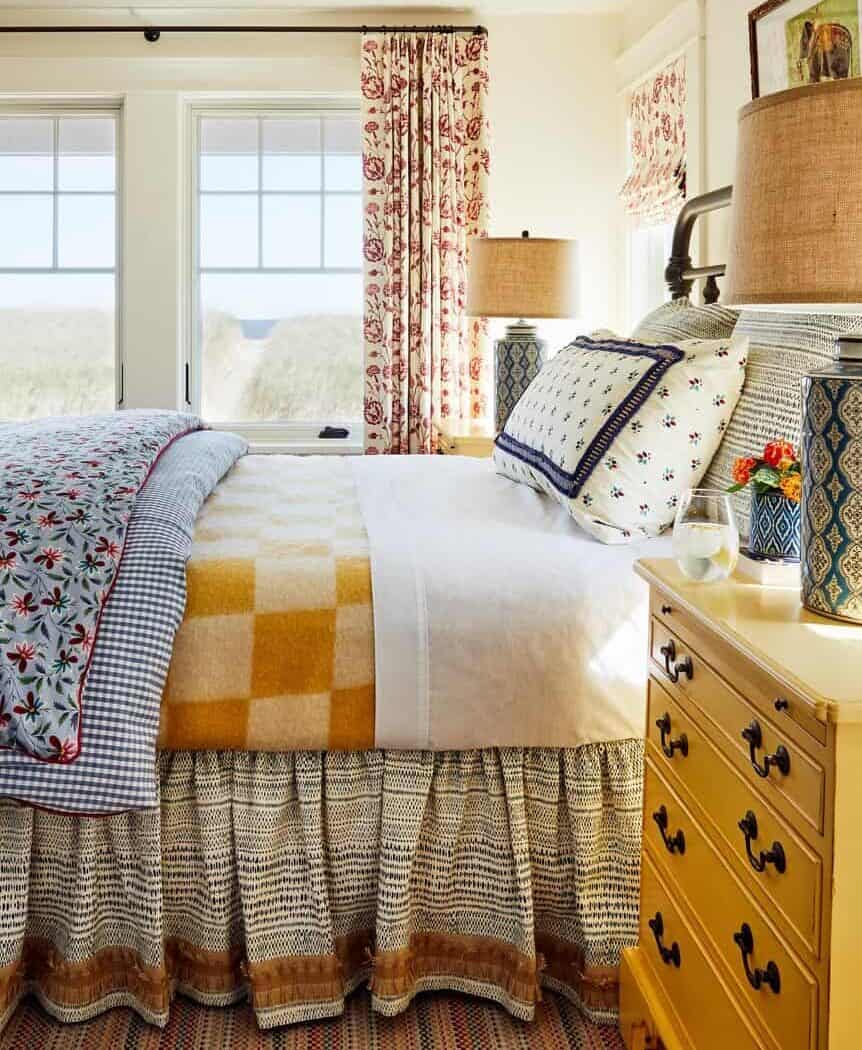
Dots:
{"x": 497, "y": 621}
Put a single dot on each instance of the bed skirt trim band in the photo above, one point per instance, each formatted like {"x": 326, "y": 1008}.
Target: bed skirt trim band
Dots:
{"x": 73, "y": 990}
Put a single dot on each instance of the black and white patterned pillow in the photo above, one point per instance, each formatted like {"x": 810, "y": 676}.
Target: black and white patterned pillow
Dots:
{"x": 782, "y": 348}
{"x": 682, "y": 319}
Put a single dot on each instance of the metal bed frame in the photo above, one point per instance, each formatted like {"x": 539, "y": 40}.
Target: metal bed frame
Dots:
{"x": 680, "y": 275}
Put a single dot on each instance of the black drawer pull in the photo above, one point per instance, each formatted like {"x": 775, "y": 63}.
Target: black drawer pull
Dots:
{"x": 666, "y": 610}
{"x": 748, "y": 827}
{"x": 675, "y": 843}
{"x": 780, "y": 760}
{"x": 671, "y": 746}
{"x": 668, "y": 955}
{"x": 673, "y": 668}
{"x": 756, "y": 978}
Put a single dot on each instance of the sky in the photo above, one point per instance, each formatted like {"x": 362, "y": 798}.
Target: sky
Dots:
{"x": 299, "y": 188}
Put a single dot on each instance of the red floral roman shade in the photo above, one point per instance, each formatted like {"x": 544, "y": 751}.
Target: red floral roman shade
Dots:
{"x": 655, "y": 188}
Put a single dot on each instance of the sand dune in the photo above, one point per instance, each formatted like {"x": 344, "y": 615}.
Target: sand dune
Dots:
{"x": 55, "y": 363}
{"x": 308, "y": 368}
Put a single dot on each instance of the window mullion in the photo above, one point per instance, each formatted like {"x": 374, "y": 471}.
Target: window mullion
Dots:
{"x": 322, "y": 195}
{"x": 55, "y": 227}
{"x": 260, "y": 192}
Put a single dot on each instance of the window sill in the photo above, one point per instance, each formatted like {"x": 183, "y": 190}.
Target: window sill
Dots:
{"x": 297, "y": 439}
{"x": 293, "y": 447}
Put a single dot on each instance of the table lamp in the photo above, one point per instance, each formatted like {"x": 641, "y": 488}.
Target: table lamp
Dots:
{"x": 533, "y": 277}
{"x": 796, "y": 243}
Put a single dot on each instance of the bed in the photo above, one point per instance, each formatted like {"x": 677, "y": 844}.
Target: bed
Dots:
{"x": 263, "y": 581}
{"x": 463, "y": 813}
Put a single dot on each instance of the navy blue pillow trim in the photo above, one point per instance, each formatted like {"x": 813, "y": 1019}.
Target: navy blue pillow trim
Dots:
{"x": 570, "y": 483}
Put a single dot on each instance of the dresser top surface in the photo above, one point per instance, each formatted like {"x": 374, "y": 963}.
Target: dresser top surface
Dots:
{"x": 819, "y": 657}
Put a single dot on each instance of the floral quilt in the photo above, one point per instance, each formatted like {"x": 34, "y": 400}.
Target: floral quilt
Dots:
{"x": 67, "y": 490}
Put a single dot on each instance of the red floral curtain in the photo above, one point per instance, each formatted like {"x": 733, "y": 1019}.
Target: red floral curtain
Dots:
{"x": 425, "y": 164}
{"x": 655, "y": 188}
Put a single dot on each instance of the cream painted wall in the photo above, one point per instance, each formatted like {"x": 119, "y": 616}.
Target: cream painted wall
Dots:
{"x": 555, "y": 147}
{"x": 556, "y": 155}
{"x": 641, "y": 16}
{"x": 728, "y": 87}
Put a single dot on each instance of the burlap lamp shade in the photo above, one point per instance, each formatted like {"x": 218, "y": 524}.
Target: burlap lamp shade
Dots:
{"x": 533, "y": 277}
{"x": 520, "y": 277}
{"x": 796, "y": 226}
{"x": 796, "y": 245}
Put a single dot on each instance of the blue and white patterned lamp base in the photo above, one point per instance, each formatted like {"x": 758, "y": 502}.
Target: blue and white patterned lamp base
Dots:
{"x": 518, "y": 359}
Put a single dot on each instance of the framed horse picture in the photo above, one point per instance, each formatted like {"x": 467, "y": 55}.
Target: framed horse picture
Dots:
{"x": 796, "y": 42}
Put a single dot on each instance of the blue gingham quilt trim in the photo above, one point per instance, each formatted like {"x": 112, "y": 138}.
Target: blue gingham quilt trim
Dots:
{"x": 116, "y": 768}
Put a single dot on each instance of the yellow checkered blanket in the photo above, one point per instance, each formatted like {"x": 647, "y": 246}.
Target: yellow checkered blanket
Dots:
{"x": 276, "y": 651}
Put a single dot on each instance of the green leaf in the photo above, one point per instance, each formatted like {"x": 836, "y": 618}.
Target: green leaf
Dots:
{"x": 767, "y": 476}
{"x": 736, "y": 488}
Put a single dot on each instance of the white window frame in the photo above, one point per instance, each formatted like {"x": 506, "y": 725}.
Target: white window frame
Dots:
{"x": 84, "y": 107}
{"x": 290, "y": 435}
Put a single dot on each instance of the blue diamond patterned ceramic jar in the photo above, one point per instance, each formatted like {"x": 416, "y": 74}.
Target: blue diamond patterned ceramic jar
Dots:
{"x": 774, "y": 527}
{"x": 832, "y": 486}
{"x": 518, "y": 358}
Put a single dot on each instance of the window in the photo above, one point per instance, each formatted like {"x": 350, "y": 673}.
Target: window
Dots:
{"x": 278, "y": 268}
{"x": 58, "y": 262}
{"x": 649, "y": 251}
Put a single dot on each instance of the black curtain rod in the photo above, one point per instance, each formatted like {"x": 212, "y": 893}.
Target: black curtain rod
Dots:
{"x": 152, "y": 33}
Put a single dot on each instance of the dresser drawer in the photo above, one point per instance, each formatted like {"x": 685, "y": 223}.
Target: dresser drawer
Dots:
{"x": 790, "y": 1014}
{"x": 696, "y": 870}
{"x": 705, "y": 1008}
{"x": 803, "y": 785}
{"x": 780, "y": 702}
{"x": 647, "y": 1020}
{"x": 637, "y": 1024}
{"x": 727, "y": 799}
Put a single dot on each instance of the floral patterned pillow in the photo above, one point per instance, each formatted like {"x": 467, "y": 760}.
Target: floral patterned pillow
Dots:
{"x": 617, "y": 430}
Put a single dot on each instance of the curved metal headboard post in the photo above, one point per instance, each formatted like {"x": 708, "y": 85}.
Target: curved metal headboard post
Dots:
{"x": 680, "y": 275}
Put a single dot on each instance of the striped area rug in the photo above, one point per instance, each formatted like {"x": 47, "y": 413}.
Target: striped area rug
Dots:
{"x": 441, "y": 1022}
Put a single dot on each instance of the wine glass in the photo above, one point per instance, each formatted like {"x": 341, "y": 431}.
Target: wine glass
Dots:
{"x": 705, "y": 536}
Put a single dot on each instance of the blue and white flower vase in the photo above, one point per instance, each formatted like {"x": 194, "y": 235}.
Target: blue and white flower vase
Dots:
{"x": 774, "y": 528}
{"x": 832, "y": 485}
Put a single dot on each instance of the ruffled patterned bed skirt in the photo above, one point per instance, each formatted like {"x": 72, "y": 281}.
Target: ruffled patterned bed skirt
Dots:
{"x": 293, "y": 878}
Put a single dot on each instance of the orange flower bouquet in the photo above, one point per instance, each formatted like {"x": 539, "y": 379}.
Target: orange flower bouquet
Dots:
{"x": 777, "y": 470}
{"x": 776, "y": 478}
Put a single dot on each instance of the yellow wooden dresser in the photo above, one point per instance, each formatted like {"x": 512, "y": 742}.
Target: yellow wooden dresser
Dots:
{"x": 751, "y": 883}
